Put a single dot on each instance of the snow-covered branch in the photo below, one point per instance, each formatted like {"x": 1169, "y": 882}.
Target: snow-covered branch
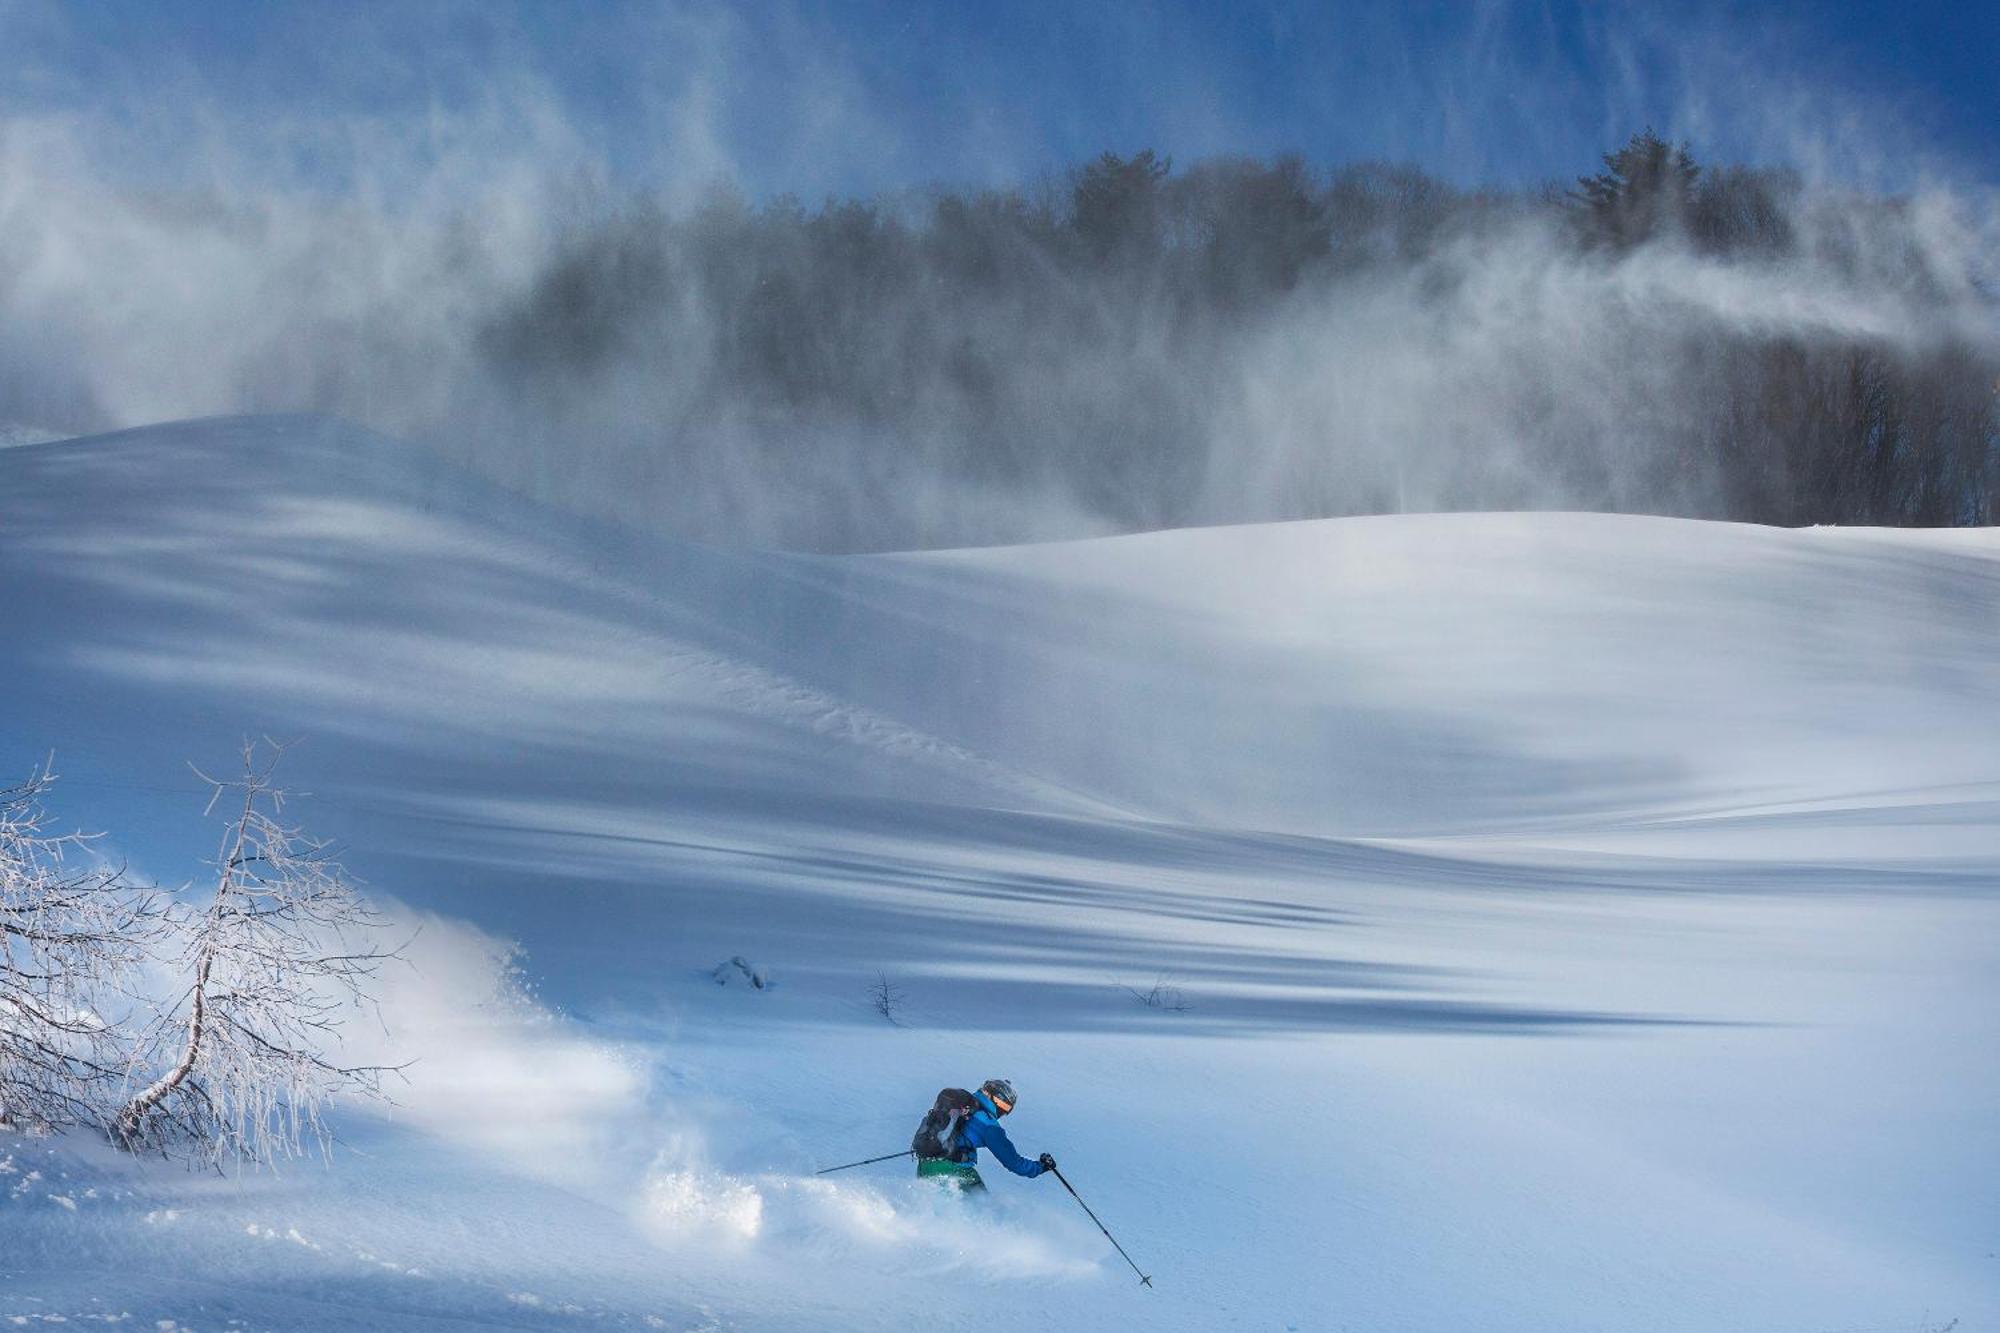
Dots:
{"x": 280, "y": 952}
{"x": 70, "y": 938}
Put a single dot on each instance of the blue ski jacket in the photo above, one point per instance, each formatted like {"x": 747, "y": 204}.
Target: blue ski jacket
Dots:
{"x": 982, "y": 1129}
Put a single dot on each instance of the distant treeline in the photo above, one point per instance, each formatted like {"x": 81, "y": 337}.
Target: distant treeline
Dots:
{"x": 1250, "y": 339}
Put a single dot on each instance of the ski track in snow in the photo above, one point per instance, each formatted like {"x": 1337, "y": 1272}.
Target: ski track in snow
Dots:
{"x": 762, "y": 693}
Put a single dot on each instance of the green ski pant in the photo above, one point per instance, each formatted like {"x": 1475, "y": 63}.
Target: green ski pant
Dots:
{"x": 962, "y": 1176}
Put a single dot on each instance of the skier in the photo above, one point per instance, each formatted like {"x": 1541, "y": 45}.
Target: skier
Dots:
{"x": 959, "y": 1125}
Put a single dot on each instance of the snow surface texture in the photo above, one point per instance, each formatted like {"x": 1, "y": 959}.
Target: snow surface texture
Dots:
{"x": 1577, "y": 922}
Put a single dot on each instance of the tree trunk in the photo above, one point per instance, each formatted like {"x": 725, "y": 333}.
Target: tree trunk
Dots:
{"x": 132, "y": 1118}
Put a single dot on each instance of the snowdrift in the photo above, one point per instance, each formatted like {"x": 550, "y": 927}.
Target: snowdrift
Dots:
{"x": 1580, "y": 921}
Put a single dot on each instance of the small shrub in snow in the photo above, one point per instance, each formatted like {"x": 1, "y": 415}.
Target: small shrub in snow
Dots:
{"x": 274, "y": 956}
{"x": 885, "y": 997}
{"x": 1161, "y": 995}
{"x": 758, "y": 976}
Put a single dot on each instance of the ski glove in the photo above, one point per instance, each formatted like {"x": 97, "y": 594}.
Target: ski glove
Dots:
{"x": 1048, "y": 1162}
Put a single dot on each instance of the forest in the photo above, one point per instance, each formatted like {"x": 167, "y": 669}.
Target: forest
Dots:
{"x": 1129, "y": 345}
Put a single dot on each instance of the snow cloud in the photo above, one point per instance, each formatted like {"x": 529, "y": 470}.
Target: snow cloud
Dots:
{"x": 488, "y": 1066}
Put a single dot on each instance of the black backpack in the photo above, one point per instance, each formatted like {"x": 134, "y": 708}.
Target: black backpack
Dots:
{"x": 938, "y": 1134}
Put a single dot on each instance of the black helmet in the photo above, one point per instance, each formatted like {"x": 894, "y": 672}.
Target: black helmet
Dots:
{"x": 1000, "y": 1092}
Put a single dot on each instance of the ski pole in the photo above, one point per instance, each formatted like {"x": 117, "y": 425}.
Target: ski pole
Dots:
{"x": 1144, "y": 1281}
{"x": 888, "y": 1157}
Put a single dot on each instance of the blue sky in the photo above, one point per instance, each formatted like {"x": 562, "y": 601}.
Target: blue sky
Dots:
{"x": 840, "y": 96}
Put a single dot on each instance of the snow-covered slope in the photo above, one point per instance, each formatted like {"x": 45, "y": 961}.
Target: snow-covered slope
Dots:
{"x": 1582, "y": 922}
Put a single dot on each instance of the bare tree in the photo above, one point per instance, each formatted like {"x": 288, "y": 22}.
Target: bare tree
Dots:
{"x": 282, "y": 947}
{"x": 69, "y": 938}
{"x": 885, "y": 997}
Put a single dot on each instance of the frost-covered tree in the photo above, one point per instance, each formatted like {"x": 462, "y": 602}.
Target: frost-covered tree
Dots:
{"x": 70, "y": 934}
{"x": 276, "y": 957}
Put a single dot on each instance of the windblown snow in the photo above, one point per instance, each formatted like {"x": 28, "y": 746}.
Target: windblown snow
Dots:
{"x": 1549, "y": 921}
